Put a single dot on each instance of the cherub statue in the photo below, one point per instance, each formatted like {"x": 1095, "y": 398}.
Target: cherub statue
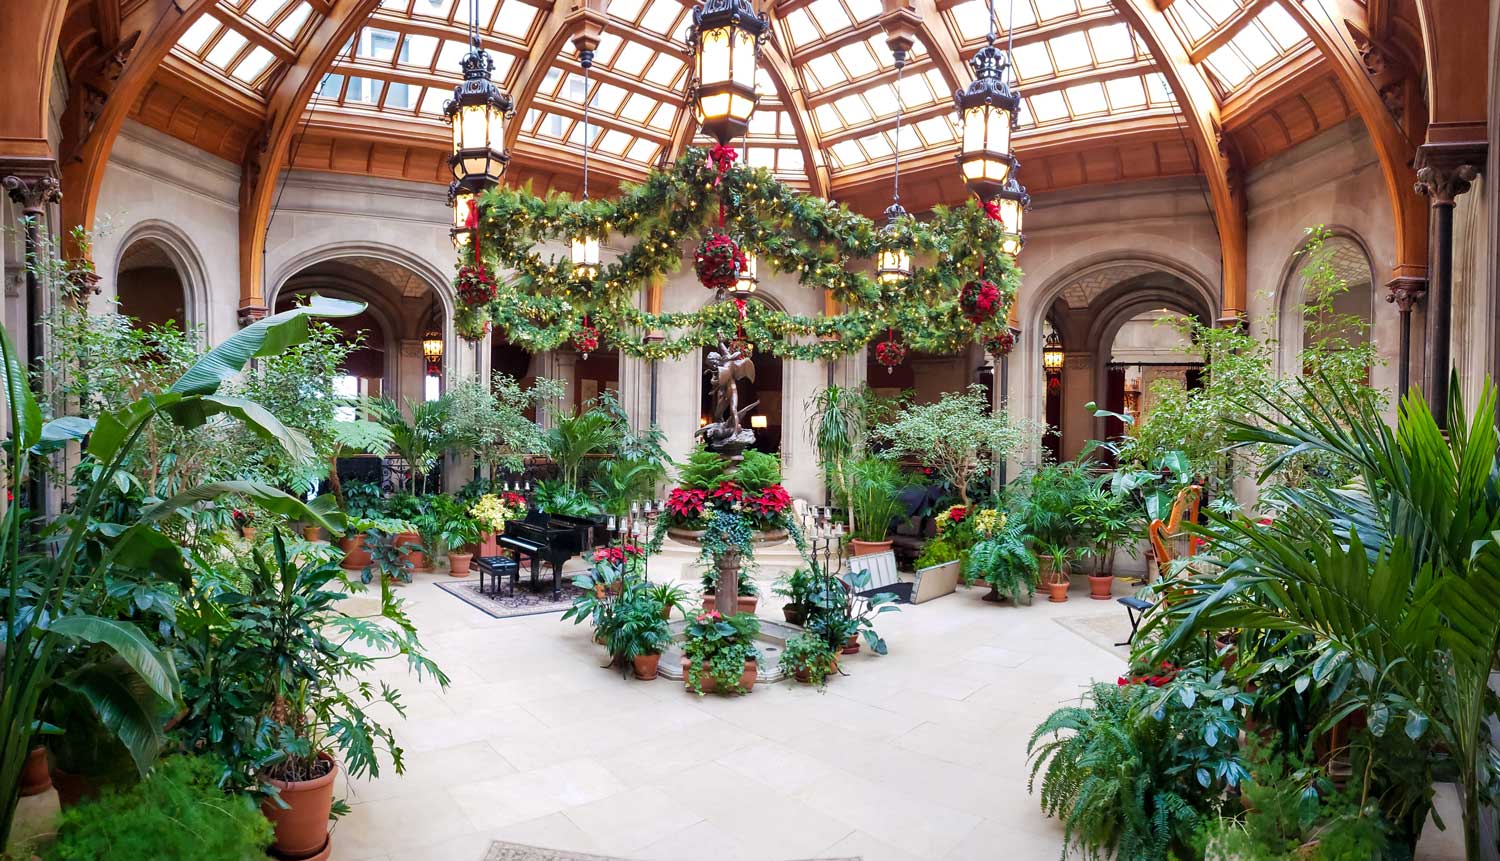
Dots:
{"x": 728, "y": 365}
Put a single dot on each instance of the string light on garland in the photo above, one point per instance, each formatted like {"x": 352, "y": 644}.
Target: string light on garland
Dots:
{"x": 987, "y": 110}
{"x": 725, "y": 39}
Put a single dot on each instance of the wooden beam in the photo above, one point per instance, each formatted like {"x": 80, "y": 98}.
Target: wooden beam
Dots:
{"x": 29, "y": 34}
{"x": 1200, "y": 110}
{"x": 783, "y": 77}
{"x": 147, "y": 34}
{"x": 1455, "y": 39}
{"x": 561, "y": 24}
{"x": 1227, "y": 31}
{"x": 263, "y": 164}
{"x": 1328, "y": 30}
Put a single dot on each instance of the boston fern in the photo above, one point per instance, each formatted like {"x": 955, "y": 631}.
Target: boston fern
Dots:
{"x": 1107, "y": 777}
{"x": 1006, "y": 563}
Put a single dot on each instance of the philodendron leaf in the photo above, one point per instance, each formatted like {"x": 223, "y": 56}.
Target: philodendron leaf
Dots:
{"x": 1416, "y": 724}
{"x": 265, "y": 337}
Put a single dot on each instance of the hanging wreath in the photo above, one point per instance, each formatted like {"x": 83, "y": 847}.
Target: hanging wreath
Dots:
{"x": 1001, "y": 344}
{"x": 475, "y": 286}
{"x": 980, "y": 300}
{"x": 890, "y": 353}
{"x": 719, "y": 262}
{"x": 471, "y": 323}
{"x": 585, "y": 339}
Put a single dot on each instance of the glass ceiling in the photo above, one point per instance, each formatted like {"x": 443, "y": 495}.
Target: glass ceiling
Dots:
{"x": 1076, "y": 62}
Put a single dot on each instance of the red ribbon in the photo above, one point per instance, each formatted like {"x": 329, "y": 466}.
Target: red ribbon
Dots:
{"x": 471, "y": 224}
{"x": 723, "y": 157}
{"x": 739, "y": 306}
{"x": 992, "y": 210}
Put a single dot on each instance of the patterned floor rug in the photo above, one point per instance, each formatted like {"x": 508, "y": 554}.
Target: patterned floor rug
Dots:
{"x": 501, "y": 851}
{"x": 505, "y": 605}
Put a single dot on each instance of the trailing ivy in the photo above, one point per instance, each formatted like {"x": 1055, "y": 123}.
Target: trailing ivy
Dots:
{"x": 540, "y": 303}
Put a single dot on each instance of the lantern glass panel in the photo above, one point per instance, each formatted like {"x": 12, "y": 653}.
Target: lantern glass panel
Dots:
{"x": 892, "y": 265}
{"x": 749, "y": 278}
{"x": 472, "y": 125}
{"x": 714, "y": 57}
{"x": 586, "y": 256}
{"x": 1011, "y": 245}
{"x": 742, "y": 67}
{"x": 1010, "y": 214}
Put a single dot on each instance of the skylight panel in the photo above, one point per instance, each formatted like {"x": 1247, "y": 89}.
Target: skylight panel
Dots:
{"x": 378, "y": 45}
{"x": 664, "y": 117}
{"x": 604, "y": 55}
{"x": 790, "y": 160}
{"x": 433, "y": 100}
{"x": 515, "y": 19}
{"x": 761, "y": 156}
{"x": 972, "y": 18}
{"x": 1279, "y": 23}
{"x": 1219, "y": 10}
{"x": 664, "y": 70}
{"x": 633, "y": 59}
{"x": 826, "y": 71}
{"x": 1025, "y": 15}
{"x": 763, "y": 123}
{"x": 881, "y": 99}
{"x": 400, "y": 97}
{"x": 264, "y": 10}
{"x": 876, "y": 147}
{"x": 1112, "y": 43}
{"x": 637, "y": 108}
{"x": 364, "y": 91}
{"x": 228, "y": 46}
{"x": 1194, "y": 22}
{"x": 916, "y": 90}
{"x": 1071, "y": 51}
{"x": 430, "y": 8}
{"x": 858, "y": 59}
{"x": 864, "y": 10}
{"x": 1158, "y": 91}
{"x": 1087, "y": 99}
{"x": 330, "y": 87}
{"x": 1254, "y": 46}
{"x": 642, "y": 151}
{"x": 1049, "y": 9}
{"x": 291, "y": 26}
{"x": 801, "y": 28}
{"x": 1047, "y": 107}
{"x": 661, "y": 15}
{"x": 198, "y": 34}
{"x": 615, "y": 142}
{"x": 626, "y": 9}
{"x": 450, "y": 54}
{"x": 1227, "y": 65}
{"x": 830, "y": 15}
{"x": 935, "y": 131}
{"x": 254, "y": 63}
{"x": 827, "y": 118}
{"x": 608, "y": 97}
{"x": 418, "y": 50}
{"x": 853, "y": 110}
{"x": 1032, "y": 61}
{"x": 1126, "y": 93}
{"x": 847, "y": 153}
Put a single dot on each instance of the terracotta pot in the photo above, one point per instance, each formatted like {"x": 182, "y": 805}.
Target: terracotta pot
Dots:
{"x": 666, "y": 612}
{"x": 312, "y": 533}
{"x": 645, "y": 666}
{"x": 73, "y": 789}
{"x": 248, "y": 532}
{"x": 1101, "y": 588}
{"x": 864, "y": 548}
{"x": 747, "y": 678}
{"x": 795, "y": 614}
{"x": 458, "y": 564}
{"x": 747, "y": 603}
{"x": 355, "y": 554}
{"x": 851, "y": 645}
{"x": 416, "y": 558}
{"x": 599, "y": 591}
{"x": 1057, "y": 591}
{"x": 35, "y": 779}
{"x": 302, "y": 827}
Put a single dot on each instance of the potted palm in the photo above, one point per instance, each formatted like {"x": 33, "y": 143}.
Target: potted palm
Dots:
{"x": 459, "y": 532}
{"x": 1057, "y": 567}
{"x": 873, "y": 486}
{"x": 639, "y": 633}
{"x": 1105, "y": 522}
{"x": 670, "y": 596}
{"x": 317, "y": 703}
{"x": 797, "y": 587}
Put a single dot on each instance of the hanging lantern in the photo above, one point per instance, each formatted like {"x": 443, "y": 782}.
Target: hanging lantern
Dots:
{"x": 725, "y": 39}
{"x": 432, "y": 351}
{"x": 478, "y": 112}
{"x": 585, "y": 256}
{"x": 987, "y": 109}
{"x": 1052, "y": 354}
{"x": 1013, "y": 201}
{"x": 462, "y": 203}
{"x": 748, "y": 280}
{"x": 892, "y": 263}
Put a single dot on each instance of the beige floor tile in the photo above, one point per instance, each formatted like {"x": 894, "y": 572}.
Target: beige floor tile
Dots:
{"x": 866, "y": 848}
{"x": 775, "y": 765}
{"x": 922, "y": 828}
{"x": 632, "y": 819}
{"x": 392, "y": 825}
{"x": 503, "y": 801}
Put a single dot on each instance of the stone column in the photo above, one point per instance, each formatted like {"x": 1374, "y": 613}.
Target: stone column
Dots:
{"x": 1444, "y": 171}
{"x": 1077, "y": 390}
{"x": 565, "y": 370}
{"x": 33, "y": 191}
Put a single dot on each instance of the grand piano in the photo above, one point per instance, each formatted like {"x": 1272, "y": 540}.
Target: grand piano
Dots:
{"x": 553, "y": 539}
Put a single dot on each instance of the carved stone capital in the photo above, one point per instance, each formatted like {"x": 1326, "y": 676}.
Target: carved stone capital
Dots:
{"x": 251, "y": 314}
{"x": 1406, "y": 292}
{"x": 32, "y": 193}
{"x": 1446, "y": 170}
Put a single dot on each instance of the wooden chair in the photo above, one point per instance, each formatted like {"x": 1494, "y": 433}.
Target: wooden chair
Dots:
{"x": 1162, "y": 534}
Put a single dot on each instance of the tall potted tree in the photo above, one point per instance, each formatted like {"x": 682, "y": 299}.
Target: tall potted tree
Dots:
{"x": 958, "y": 436}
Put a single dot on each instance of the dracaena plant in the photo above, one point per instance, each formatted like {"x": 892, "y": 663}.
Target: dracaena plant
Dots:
{"x": 49, "y": 589}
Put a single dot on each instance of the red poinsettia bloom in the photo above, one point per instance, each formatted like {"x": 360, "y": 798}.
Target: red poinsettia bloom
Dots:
{"x": 773, "y": 500}
{"x": 718, "y": 262}
{"x": 980, "y": 300}
{"x": 728, "y": 493}
{"x": 957, "y": 513}
{"x": 686, "y": 503}
{"x": 475, "y": 285}
{"x": 513, "y": 499}
{"x": 612, "y": 555}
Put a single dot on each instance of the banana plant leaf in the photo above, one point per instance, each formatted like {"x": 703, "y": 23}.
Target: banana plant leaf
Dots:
{"x": 322, "y": 511}
{"x": 126, "y": 705}
{"x": 265, "y": 337}
{"x": 130, "y": 646}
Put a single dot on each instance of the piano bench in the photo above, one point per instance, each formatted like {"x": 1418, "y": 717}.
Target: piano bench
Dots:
{"x": 498, "y": 568}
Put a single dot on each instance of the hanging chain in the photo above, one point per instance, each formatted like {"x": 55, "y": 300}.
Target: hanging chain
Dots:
{"x": 588, "y": 60}
{"x": 896, "y": 178}
{"x": 474, "y": 24}
{"x": 994, "y": 22}
{"x": 1010, "y": 40}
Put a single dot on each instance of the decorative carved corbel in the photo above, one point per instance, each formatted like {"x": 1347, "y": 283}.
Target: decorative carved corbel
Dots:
{"x": 1444, "y": 182}
{"x": 251, "y": 314}
{"x": 1406, "y": 292}
{"x": 32, "y": 194}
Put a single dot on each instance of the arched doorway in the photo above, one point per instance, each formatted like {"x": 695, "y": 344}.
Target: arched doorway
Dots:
{"x": 150, "y": 286}
{"x": 1328, "y": 295}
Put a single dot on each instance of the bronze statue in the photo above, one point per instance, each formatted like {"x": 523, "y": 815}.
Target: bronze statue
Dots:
{"x": 727, "y": 434}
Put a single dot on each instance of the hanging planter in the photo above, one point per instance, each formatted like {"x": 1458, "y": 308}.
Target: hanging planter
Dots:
{"x": 980, "y": 301}
{"x": 718, "y": 262}
{"x": 890, "y": 353}
{"x": 475, "y": 286}
{"x": 1001, "y": 344}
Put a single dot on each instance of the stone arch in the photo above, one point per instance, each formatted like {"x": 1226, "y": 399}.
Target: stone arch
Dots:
{"x": 1289, "y": 326}
{"x": 385, "y": 315}
{"x": 183, "y": 255}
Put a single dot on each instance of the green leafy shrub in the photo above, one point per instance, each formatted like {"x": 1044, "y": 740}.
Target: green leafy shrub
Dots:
{"x": 704, "y": 470}
{"x": 719, "y": 646}
{"x": 177, "y": 813}
{"x": 809, "y": 655}
{"x": 1006, "y": 563}
{"x": 873, "y": 487}
{"x": 757, "y": 471}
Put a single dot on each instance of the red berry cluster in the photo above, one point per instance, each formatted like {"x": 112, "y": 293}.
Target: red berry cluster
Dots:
{"x": 1001, "y": 344}
{"x": 890, "y": 353}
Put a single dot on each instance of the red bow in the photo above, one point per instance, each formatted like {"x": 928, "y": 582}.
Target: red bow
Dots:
{"x": 992, "y": 209}
{"x": 471, "y": 224}
{"x": 723, "y": 157}
{"x": 739, "y": 305}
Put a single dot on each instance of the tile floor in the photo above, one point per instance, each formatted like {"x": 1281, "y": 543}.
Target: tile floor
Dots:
{"x": 919, "y": 754}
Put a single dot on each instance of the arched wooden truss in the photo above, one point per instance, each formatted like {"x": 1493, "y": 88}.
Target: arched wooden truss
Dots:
{"x": 1115, "y": 89}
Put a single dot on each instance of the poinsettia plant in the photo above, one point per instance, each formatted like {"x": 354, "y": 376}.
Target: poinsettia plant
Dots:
{"x": 1001, "y": 344}
{"x": 475, "y": 286}
{"x": 719, "y": 262}
{"x": 980, "y": 301}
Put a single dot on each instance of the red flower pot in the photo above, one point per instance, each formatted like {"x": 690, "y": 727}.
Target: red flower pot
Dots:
{"x": 707, "y": 683}
{"x": 1101, "y": 588}
{"x": 35, "y": 779}
{"x": 416, "y": 558}
{"x": 355, "y": 554}
{"x": 865, "y": 548}
{"x": 458, "y": 564}
{"x": 645, "y": 666}
{"x": 851, "y": 645}
{"x": 302, "y": 827}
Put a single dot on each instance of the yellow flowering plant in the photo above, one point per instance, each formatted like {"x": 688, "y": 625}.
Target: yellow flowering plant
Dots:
{"x": 491, "y": 511}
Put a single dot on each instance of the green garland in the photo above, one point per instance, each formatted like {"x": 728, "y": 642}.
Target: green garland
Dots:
{"x": 542, "y": 302}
